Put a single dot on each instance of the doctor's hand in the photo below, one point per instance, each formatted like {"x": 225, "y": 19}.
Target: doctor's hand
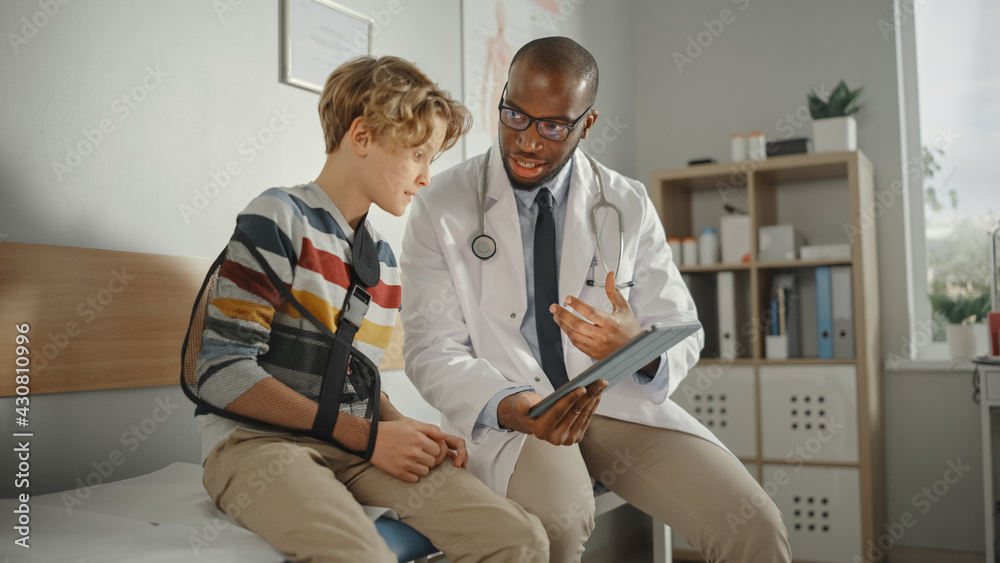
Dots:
{"x": 605, "y": 332}
{"x": 563, "y": 424}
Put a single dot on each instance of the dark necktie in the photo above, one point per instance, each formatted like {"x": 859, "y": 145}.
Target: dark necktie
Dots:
{"x": 547, "y": 291}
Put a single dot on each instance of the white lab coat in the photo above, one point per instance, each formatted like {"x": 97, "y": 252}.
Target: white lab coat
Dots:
{"x": 462, "y": 315}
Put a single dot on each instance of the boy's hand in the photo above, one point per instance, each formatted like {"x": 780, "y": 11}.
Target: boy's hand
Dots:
{"x": 408, "y": 449}
{"x": 562, "y": 425}
{"x": 454, "y": 447}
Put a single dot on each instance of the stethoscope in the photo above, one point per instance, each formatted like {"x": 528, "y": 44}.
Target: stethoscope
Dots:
{"x": 484, "y": 247}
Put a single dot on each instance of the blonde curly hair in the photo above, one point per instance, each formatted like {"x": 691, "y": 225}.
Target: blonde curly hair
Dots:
{"x": 397, "y": 101}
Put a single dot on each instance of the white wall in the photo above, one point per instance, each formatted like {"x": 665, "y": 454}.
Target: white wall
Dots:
{"x": 758, "y": 69}
{"x": 932, "y": 424}
{"x": 221, "y": 86}
{"x": 214, "y": 83}
{"x": 750, "y": 76}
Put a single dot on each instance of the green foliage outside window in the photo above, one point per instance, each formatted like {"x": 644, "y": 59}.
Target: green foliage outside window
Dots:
{"x": 958, "y": 270}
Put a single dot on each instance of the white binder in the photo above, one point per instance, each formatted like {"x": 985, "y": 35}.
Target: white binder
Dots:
{"x": 732, "y": 305}
{"x": 843, "y": 312}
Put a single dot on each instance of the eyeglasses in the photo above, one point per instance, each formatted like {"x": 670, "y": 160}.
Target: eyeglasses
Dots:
{"x": 519, "y": 121}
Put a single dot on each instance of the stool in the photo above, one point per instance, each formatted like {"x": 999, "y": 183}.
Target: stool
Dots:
{"x": 407, "y": 543}
{"x": 605, "y": 501}
{"x": 410, "y": 545}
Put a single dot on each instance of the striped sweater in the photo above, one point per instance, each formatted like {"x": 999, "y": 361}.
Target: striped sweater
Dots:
{"x": 305, "y": 240}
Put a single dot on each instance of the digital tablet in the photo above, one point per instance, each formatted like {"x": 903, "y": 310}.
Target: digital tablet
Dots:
{"x": 623, "y": 362}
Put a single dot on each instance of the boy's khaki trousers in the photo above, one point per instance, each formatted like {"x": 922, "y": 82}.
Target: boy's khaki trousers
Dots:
{"x": 304, "y": 497}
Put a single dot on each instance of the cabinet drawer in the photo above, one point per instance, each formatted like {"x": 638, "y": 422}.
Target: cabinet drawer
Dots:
{"x": 723, "y": 400}
{"x": 809, "y": 413}
{"x": 991, "y": 384}
{"x": 821, "y": 507}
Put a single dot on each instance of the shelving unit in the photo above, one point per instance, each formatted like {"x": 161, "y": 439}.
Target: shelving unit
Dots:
{"x": 772, "y": 413}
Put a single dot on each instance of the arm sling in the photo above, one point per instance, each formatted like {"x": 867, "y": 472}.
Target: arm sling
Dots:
{"x": 321, "y": 365}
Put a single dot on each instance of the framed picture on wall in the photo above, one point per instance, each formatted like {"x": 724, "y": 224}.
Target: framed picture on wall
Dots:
{"x": 492, "y": 31}
{"x": 317, "y": 37}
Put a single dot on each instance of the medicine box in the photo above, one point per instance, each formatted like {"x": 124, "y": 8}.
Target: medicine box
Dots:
{"x": 735, "y": 234}
{"x": 826, "y": 252}
{"x": 778, "y": 243}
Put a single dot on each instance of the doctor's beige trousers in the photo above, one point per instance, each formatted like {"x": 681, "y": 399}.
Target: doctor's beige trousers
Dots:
{"x": 691, "y": 484}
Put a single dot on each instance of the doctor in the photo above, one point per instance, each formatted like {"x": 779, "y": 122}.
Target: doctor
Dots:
{"x": 487, "y": 337}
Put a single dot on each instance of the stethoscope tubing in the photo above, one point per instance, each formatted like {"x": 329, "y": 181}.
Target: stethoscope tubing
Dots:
{"x": 484, "y": 246}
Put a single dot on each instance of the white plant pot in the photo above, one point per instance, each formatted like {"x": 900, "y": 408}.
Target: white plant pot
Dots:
{"x": 835, "y": 134}
{"x": 982, "y": 339}
{"x": 961, "y": 341}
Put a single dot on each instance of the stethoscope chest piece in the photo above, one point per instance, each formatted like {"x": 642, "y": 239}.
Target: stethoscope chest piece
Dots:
{"x": 484, "y": 247}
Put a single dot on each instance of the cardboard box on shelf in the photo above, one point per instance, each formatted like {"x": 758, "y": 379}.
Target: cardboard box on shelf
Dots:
{"x": 735, "y": 235}
{"x": 778, "y": 243}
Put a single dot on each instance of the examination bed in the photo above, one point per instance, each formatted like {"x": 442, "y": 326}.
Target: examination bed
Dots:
{"x": 102, "y": 320}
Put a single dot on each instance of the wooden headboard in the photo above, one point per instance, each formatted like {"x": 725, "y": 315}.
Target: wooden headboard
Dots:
{"x": 102, "y": 319}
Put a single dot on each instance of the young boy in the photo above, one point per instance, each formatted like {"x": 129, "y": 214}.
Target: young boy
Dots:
{"x": 384, "y": 122}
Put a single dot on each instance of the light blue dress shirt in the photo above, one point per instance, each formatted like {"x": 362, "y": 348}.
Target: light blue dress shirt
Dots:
{"x": 527, "y": 213}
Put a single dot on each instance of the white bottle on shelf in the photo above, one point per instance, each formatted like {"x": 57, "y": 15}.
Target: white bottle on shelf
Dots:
{"x": 738, "y": 147}
{"x": 690, "y": 246}
{"x": 676, "y": 250}
{"x": 708, "y": 247}
{"x": 757, "y": 146}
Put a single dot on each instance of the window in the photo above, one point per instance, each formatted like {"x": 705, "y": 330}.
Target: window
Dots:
{"x": 959, "y": 88}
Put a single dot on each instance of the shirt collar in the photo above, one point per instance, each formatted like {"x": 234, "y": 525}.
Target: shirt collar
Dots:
{"x": 558, "y": 186}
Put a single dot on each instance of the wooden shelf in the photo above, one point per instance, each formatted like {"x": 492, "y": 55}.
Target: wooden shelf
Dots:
{"x": 819, "y": 194}
{"x": 808, "y": 463}
{"x": 735, "y": 362}
{"x": 803, "y": 263}
{"x": 713, "y": 268}
{"x": 787, "y": 168}
{"x": 805, "y": 362}
{"x": 763, "y": 265}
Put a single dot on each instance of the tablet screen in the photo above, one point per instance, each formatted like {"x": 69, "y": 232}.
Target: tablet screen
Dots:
{"x": 625, "y": 361}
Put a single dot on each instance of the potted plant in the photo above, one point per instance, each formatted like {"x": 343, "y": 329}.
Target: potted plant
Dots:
{"x": 962, "y": 310}
{"x": 834, "y": 128}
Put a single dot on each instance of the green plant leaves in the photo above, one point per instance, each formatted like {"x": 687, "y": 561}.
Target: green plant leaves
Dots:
{"x": 957, "y": 309}
{"x": 817, "y": 107}
{"x": 842, "y": 102}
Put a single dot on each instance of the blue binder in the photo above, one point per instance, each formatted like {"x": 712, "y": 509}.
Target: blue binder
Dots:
{"x": 824, "y": 312}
